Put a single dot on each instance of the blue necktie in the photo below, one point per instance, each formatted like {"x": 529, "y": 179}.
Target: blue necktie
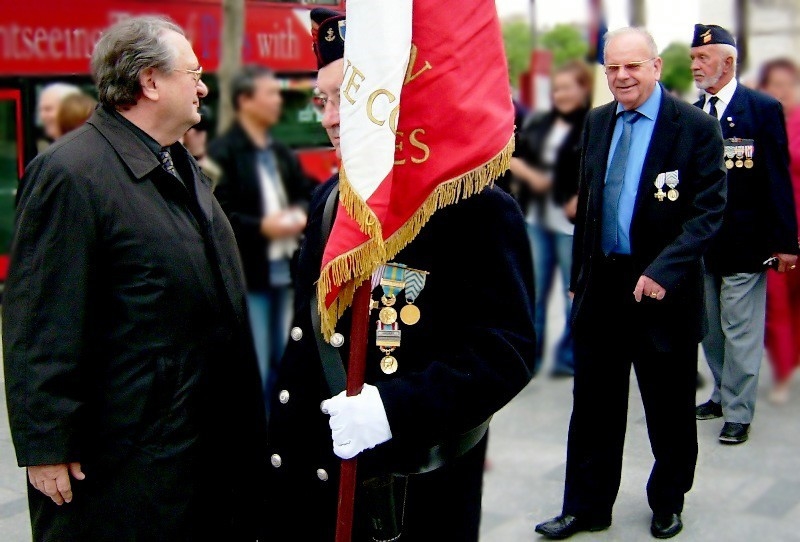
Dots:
{"x": 614, "y": 182}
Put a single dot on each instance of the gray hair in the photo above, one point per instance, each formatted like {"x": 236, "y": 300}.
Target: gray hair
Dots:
{"x": 124, "y": 51}
{"x": 648, "y": 37}
{"x": 727, "y": 51}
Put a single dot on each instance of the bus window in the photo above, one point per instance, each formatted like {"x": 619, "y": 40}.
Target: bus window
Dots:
{"x": 10, "y": 169}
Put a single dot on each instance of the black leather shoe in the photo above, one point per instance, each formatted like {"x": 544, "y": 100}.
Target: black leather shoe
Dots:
{"x": 564, "y": 526}
{"x": 734, "y": 433}
{"x": 666, "y": 525}
{"x": 708, "y": 411}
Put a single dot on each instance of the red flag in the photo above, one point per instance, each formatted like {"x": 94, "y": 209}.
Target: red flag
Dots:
{"x": 426, "y": 120}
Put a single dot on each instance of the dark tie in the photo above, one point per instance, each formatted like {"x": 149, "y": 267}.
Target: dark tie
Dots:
{"x": 166, "y": 162}
{"x": 712, "y": 106}
{"x": 614, "y": 182}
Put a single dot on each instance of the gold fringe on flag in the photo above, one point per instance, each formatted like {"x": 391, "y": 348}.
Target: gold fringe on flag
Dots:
{"x": 354, "y": 267}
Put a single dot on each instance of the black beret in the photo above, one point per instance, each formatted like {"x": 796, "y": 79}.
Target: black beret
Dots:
{"x": 327, "y": 32}
{"x": 711, "y": 34}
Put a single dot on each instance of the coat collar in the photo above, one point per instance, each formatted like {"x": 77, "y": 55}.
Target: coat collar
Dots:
{"x": 132, "y": 150}
{"x": 143, "y": 163}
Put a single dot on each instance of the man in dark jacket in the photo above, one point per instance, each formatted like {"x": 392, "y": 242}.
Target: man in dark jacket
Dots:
{"x": 264, "y": 193}
{"x": 651, "y": 197}
{"x": 466, "y": 357}
{"x": 759, "y": 227}
{"x": 132, "y": 385}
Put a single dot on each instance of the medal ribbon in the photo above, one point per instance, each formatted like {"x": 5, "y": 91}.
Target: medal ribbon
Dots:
{"x": 394, "y": 279}
{"x": 415, "y": 282}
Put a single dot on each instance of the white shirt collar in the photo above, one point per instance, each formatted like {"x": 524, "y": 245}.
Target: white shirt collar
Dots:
{"x": 725, "y": 96}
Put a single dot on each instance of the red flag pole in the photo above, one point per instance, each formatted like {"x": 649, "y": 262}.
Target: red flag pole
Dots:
{"x": 355, "y": 381}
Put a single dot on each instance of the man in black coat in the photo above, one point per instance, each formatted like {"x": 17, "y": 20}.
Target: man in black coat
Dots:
{"x": 469, "y": 354}
{"x": 759, "y": 226}
{"x": 132, "y": 385}
{"x": 264, "y": 193}
{"x": 652, "y": 193}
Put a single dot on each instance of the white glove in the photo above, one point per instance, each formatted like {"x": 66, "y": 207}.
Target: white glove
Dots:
{"x": 358, "y": 422}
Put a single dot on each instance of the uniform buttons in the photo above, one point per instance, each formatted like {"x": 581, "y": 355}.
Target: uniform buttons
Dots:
{"x": 337, "y": 340}
{"x": 322, "y": 474}
{"x": 296, "y": 333}
{"x": 283, "y": 397}
{"x": 275, "y": 460}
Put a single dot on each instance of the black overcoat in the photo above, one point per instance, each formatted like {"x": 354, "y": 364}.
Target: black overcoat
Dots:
{"x": 471, "y": 352}
{"x": 126, "y": 345}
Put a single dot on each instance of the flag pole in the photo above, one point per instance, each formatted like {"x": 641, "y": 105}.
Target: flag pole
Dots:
{"x": 355, "y": 381}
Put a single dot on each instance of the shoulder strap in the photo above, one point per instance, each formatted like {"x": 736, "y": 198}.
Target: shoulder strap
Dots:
{"x": 332, "y": 365}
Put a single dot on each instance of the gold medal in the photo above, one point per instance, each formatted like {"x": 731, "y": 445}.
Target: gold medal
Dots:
{"x": 729, "y": 163}
{"x": 672, "y": 195}
{"x": 660, "y": 195}
{"x": 388, "y": 364}
{"x": 739, "y": 163}
{"x": 387, "y": 316}
{"x": 409, "y": 315}
{"x": 748, "y": 163}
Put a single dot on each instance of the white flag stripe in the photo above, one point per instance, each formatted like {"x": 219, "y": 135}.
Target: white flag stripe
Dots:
{"x": 377, "y": 47}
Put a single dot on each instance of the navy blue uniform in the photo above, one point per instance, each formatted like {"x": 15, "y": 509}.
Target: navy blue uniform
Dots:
{"x": 470, "y": 353}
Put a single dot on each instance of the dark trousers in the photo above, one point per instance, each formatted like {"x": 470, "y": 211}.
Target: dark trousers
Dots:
{"x": 613, "y": 338}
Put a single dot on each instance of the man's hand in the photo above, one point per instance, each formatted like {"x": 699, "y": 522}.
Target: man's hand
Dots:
{"x": 786, "y": 262}
{"x": 357, "y": 422}
{"x": 649, "y": 288}
{"x": 283, "y": 224}
{"x": 53, "y": 480}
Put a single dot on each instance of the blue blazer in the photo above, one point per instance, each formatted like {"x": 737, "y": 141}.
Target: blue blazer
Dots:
{"x": 760, "y": 218}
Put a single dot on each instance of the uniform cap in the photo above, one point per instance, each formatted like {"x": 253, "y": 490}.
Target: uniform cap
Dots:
{"x": 327, "y": 32}
{"x": 711, "y": 34}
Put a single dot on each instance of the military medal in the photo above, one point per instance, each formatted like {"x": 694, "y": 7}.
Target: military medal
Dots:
{"x": 415, "y": 282}
{"x": 748, "y": 152}
{"x": 660, "y": 180}
{"x": 672, "y": 181}
{"x": 389, "y": 364}
{"x": 387, "y": 337}
{"x": 730, "y": 152}
{"x": 387, "y": 315}
{"x": 739, "y": 155}
{"x": 391, "y": 277}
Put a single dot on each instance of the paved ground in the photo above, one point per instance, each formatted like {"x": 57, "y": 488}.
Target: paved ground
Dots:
{"x": 742, "y": 493}
{"x": 748, "y": 492}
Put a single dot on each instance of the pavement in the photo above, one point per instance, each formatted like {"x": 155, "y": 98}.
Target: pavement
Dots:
{"x": 749, "y": 492}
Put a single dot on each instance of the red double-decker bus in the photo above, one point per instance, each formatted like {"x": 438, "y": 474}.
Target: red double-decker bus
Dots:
{"x": 52, "y": 40}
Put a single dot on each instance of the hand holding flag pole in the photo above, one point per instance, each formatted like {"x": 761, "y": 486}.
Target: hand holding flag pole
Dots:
{"x": 355, "y": 381}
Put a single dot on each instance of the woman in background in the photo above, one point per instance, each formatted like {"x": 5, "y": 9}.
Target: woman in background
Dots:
{"x": 780, "y": 78}
{"x": 545, "y": 182}
{"x": 73, "y": 111}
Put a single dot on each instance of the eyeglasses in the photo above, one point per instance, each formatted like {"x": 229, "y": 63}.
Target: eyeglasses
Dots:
{"x": 197, "y": 74}
{"x": 631, "y": 67}
{"x": 320, "y": 100}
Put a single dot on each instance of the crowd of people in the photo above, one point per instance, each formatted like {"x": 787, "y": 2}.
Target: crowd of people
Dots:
{"x": 174, "y": 328}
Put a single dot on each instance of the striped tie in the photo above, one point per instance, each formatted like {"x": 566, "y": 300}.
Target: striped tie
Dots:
{"x": 166, "y": 162}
